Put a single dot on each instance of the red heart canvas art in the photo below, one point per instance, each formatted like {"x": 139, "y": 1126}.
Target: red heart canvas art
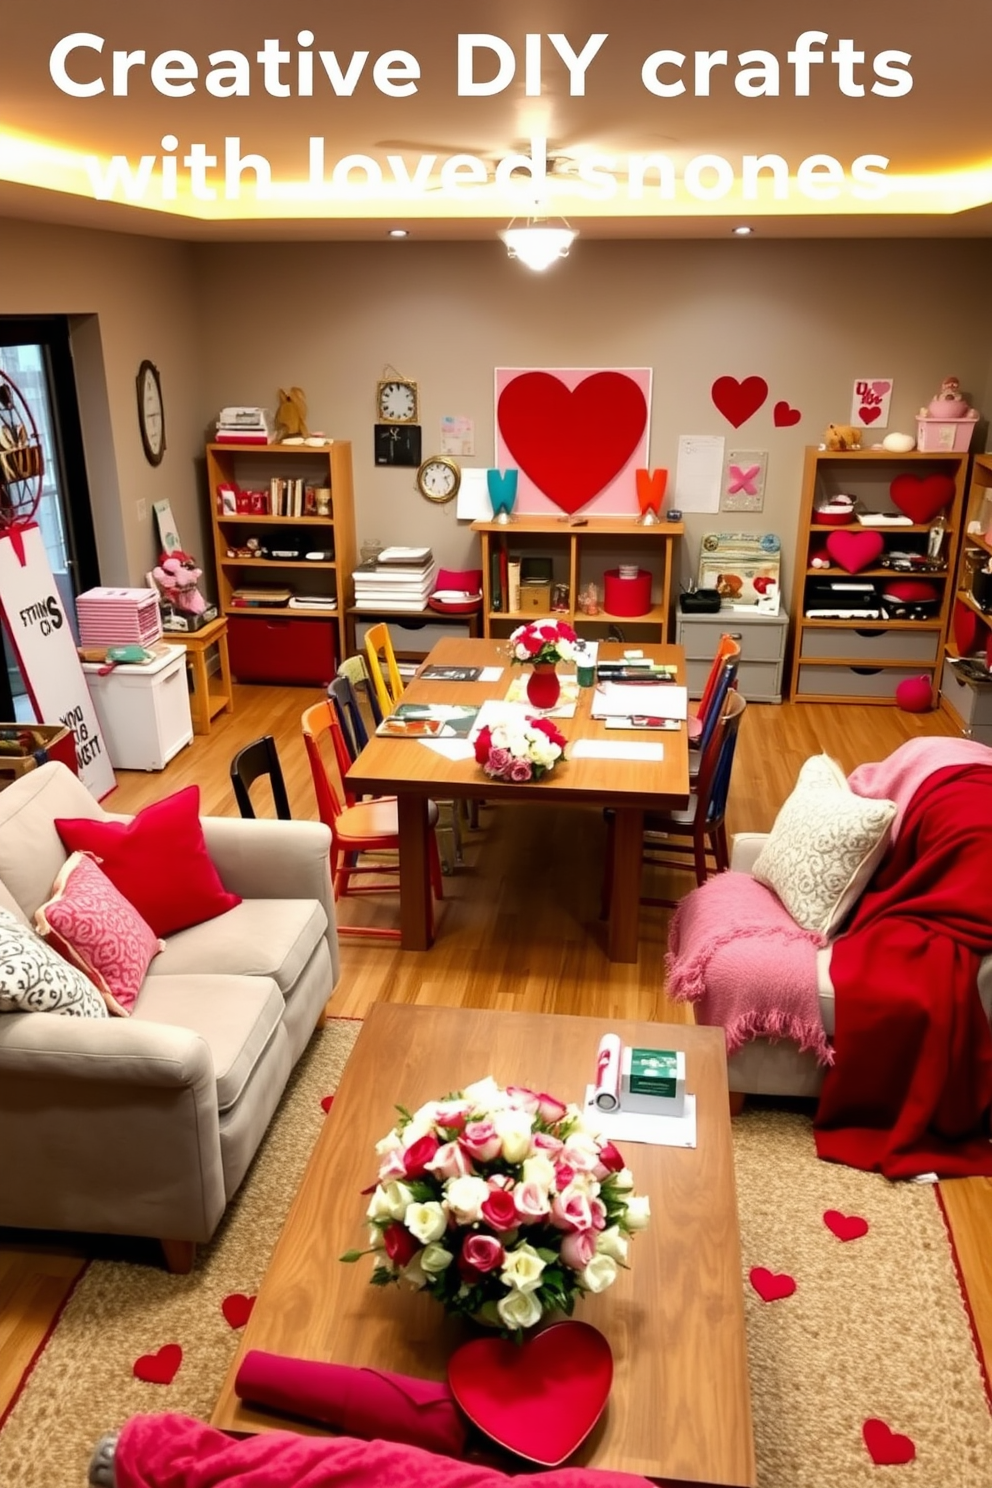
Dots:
{"x": 576, "y": 435}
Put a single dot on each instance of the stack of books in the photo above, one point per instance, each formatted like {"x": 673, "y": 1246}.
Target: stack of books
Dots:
{"x": 398, "y": 579}
{"x": 118, "y": 617}
{"x": 246, "y": 425}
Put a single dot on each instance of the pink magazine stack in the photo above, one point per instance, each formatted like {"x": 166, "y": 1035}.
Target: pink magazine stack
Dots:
{"x": 118, "y": 617}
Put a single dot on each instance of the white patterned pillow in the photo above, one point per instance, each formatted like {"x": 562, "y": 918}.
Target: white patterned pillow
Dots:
{"x": 34, "y": 979}
{"x": 824, "y": 847}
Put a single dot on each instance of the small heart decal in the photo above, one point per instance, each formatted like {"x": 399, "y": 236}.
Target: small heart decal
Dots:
{"x": 868, "y": 413}
{"x": 540, "y": 1398}
{"x": 854, "y": 551}
{"x": 783, "y": 417}
{"x": 887, "y": 1448}
{"x": 845, "y": 1226}
{"x": 771, "y": 1286}
{"x": 160, "y": 1368}
{"x": 737, "y": 401}
{"x": 880, "y": 387}
{"x": 326, "y": 1103}
{"x": 237, "y": 1309}
{"x": 921, "y": 497}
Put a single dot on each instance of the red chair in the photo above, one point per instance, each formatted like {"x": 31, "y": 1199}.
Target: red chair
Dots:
{"x": 366, "y": 827}
{"x": 729, "y": 647}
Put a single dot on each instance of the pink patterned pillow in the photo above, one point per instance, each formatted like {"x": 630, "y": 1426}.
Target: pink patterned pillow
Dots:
{"x": 92, "y": 925}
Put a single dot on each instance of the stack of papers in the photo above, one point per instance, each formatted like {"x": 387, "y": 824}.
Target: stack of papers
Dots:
{"x": 399, "y": 579}
{"x": 246, "y": 425}
{"x": 641, "y": 704}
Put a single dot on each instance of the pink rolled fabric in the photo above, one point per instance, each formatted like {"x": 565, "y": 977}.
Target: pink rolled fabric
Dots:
{"x": 174, "y": 1451}
{"x": 370, "y": 1403}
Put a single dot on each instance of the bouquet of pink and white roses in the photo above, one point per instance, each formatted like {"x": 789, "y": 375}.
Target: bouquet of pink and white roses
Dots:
{"x": 502, "y": 1203}
{"x": 543, "y": 641}
{"x": 519, "y": 750}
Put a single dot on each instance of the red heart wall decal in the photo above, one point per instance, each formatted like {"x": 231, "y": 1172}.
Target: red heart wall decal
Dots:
{"x": 921, "y": 497}
{"x": 771, "y": 1286}
{"x": 845, "y": 1226}
{"x": 539, "y": 1399}
{"x": 160, "y": 1368}
{"x": 887, "y": 1448}
{"x": 571, "y": 442}
{"x": 783, "y": 417}
{"x": 237, "y": 1309}
{"x": 737, "y": 401}
{"x": 868, "y": 414}
{"x": 854, "y": 551}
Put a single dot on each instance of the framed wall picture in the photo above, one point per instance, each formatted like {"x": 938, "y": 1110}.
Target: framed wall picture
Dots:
{"x": 397, "y": 444}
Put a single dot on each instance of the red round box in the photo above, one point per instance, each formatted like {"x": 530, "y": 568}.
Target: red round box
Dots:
{"x": 627, "y": 596}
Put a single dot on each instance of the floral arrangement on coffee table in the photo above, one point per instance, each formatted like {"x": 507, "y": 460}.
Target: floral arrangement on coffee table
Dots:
{"x": 519, "y": 750}
{"x": 502, "y": 1203}
{"x": 543, "y": 641}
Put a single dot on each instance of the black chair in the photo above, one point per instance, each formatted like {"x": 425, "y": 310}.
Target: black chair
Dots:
{"x": 250, "y": 764}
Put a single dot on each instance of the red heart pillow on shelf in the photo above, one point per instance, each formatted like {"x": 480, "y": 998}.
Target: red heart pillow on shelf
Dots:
{"x": 854, "y": 551}
{"x": 921, "y": 497}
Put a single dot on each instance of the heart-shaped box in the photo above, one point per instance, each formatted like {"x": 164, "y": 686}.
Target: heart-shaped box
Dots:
{"x": 539, "y": 1399}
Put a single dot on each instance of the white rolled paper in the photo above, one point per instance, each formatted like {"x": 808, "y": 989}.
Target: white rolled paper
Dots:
{"x": 606, "y": 1094}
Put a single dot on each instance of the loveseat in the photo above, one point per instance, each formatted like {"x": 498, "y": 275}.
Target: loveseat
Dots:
{"x": 145, "y": 1125}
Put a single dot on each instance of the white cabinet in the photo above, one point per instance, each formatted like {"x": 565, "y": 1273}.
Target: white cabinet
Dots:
{"x": 143, "y": 710}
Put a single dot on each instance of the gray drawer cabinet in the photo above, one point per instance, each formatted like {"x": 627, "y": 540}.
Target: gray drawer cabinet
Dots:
{"x": 762, "y": 639}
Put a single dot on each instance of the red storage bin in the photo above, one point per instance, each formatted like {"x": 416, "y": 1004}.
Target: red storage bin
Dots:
{"x": 627, "y": 596}
{"x": 281, "y": 648}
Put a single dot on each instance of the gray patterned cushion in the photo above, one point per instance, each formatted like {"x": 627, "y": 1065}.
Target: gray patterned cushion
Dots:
{"x": 824, "y": 847}
{"x": 34, "y": 979}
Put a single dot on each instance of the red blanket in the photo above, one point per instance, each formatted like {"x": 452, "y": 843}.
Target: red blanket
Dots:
{"x": 911, "y": 1087}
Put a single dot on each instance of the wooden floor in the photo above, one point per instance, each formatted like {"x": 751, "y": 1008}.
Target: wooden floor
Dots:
{"x": 518, "y": 928}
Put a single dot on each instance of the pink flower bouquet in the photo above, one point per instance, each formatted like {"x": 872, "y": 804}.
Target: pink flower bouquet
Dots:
{"x": 517, "y": 751}
{"x": 502, "y": 1203}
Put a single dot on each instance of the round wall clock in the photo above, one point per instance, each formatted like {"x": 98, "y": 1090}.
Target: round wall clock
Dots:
{"x": 396, "y": 401}
{"x": 438, "y": 479}
{"x": 151, "y": 413}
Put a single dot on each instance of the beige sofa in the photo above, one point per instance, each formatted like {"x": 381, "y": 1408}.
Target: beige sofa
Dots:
{"x": 766, "y": 1067}
{"x": 146, "y": 1125}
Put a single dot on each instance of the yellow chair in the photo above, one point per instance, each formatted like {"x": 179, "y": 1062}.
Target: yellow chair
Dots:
{"x": 382, "y": 668}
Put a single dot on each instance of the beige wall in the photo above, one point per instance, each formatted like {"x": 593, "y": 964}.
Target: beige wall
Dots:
{"x": 129, "y": 298}
{"x": 234, "y": 322}
{"x": 807, "y": 316}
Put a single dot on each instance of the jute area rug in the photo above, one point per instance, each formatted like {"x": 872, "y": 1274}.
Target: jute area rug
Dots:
{"x": 875, "y": 1328}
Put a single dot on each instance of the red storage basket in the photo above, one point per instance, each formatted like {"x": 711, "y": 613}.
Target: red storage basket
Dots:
{"x": 281, "y": 648}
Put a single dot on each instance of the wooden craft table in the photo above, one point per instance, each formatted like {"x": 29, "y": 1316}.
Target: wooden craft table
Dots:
{"x": 208, "y": 699}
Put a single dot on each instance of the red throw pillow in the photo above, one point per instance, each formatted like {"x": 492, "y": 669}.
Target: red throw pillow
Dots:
{"x": 158, "y": 861}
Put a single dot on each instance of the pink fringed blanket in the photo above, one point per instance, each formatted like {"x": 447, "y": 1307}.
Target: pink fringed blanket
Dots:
{"x": 173, "y": 1451}
{"x": 736, "y": 952}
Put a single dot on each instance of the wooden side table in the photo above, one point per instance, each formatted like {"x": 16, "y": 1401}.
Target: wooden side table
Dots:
{"x": 206, "y": 700}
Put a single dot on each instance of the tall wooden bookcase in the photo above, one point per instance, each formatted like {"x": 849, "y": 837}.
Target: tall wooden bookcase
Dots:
{"x": 282, "y": 643}
{"x": 836, "y": 660}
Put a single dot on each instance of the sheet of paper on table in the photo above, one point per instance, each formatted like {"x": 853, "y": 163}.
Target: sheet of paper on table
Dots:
{"x": 640, "y": 699}
{"x": 452, "y": 749}
{"x": 621, "y": 750}
{"x": 490, "y": 674}
{"x": 634, "y": 1126}
{"x": 495, "y": 712}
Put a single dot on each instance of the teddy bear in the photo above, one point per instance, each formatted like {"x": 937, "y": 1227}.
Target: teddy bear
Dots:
{"x": 178, "y": 576}
{"x": 842, "y": 437}
{"x": 292, "y": 413}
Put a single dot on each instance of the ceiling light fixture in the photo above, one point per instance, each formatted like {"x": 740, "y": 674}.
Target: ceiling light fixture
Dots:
{"x": 742, "y": 231}
{"x": 537, "y": 243}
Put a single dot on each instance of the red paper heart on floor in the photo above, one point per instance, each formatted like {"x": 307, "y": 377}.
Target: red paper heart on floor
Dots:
{"x": 887, "y": 1448}
{"x": 737, "y": 401}
{"x": 237, "y": 1309}
{"x": 921, "y": 497}
{"x": 326, "y": 1103}
{"x": 539, "y": 1399}
{"x": 572, "y": 442}
{"x": 771, "y": 1286}
{"x": 854, "y": 551}
{"x": 868, "y": 414}
{"x": 160, "y": 1368}
{"x": 845, "y": 1226}
{"x": 783, "y": 417}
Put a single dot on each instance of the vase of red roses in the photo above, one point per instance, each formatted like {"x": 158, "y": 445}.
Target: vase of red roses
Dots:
{"x": 542, "y": 644}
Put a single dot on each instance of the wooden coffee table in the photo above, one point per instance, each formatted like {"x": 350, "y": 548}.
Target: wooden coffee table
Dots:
{"x": 680, "y": 1408}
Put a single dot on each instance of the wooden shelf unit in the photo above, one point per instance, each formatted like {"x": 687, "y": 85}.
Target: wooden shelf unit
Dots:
{"x": 252, "y": 467}
{"x": 864, "y": 660}
{"x": 580, "y": 555}
{"x": 970, "y": 705}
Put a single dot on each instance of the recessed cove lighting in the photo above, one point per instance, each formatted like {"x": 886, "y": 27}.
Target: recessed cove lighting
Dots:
{"x": 742, "y": 231}
{"x": 398, "y": 232}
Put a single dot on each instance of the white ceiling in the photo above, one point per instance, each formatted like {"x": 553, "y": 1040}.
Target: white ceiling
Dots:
{"x": 942, "y": 126}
